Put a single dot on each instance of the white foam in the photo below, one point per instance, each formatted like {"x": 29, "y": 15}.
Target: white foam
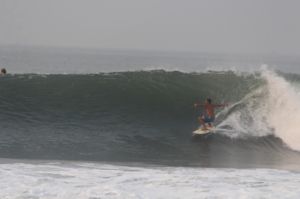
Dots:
{"x": 249, "y": 119}
{"x": 284, "y": 109}
{"x": 87, "y": 180}
{"x": 272, "y": 108}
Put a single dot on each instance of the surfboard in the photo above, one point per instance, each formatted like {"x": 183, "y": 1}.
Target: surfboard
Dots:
{"x": 203, "y": 132}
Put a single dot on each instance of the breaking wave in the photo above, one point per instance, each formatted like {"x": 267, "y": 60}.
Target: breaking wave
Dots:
{"x": 148, "y": 116}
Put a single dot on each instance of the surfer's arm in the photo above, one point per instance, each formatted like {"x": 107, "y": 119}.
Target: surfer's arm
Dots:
{"x": 220, "y": 105}
{"x": 197, "y": 104}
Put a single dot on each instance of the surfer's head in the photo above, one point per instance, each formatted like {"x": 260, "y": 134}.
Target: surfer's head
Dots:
{"x": 208, "y": 100}
{"x": 3, "y": 71}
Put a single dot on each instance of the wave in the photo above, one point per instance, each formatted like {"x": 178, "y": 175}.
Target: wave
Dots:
{"x": 149, "y": 116}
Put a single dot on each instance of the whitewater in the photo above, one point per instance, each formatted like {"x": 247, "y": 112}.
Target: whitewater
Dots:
{"x": 114, "y": 124}
{"x": 90, "y": 180}
{"x": 271, "y": 109}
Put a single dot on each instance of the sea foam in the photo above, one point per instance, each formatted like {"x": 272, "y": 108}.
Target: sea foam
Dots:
{"x": 90, "y": 180}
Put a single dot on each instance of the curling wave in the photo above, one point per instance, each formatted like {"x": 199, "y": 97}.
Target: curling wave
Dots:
{"x": 148, "y": 116}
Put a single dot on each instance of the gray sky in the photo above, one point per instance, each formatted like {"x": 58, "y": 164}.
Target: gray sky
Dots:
{"x": 245, "y": 26}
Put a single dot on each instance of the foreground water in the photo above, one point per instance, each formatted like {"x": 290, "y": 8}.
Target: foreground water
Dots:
{"x": 92, "y": 180}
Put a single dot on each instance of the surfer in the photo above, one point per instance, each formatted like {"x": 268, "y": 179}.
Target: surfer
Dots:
{"x": 209, "y": 113}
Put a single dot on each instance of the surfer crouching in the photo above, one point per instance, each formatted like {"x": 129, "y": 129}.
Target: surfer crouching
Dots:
{"x": 208, "y": 117}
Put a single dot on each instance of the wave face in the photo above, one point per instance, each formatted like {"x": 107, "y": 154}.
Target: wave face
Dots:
{"x": 149, "y": 117}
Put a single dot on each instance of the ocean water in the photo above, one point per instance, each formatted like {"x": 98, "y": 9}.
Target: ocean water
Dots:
{"x": 88, "y": 123}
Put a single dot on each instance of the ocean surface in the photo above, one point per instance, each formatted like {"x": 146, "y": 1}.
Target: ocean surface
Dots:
{"x": 92, "y": 123}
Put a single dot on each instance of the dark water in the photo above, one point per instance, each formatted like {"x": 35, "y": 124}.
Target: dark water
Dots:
{"x": 144, "y": 117}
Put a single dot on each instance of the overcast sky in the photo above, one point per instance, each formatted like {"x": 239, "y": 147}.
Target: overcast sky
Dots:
{"x": 245, "y": 26}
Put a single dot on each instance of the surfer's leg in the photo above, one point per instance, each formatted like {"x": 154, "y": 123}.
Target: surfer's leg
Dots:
{"x": 209, "y": 121}
{"x": 202, "y": 122}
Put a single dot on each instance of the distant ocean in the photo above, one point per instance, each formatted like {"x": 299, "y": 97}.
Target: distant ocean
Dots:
{"x": 91, "y": 123}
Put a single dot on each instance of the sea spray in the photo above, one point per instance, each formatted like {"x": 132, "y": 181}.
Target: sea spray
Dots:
{"x": 284, "y": 109}
{"x": 272, "y": 108}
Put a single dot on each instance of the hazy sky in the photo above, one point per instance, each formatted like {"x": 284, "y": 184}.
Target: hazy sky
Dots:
{"x": 246, "y": 26}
